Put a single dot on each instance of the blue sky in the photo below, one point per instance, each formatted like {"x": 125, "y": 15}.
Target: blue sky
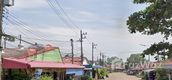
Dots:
{"x": 103, "y": 20}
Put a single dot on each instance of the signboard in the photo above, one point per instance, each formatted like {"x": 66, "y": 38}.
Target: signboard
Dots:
{"x": 10, "y": 38}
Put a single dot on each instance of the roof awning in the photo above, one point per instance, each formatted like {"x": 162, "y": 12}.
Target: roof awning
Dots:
{"x": 13, "y": 64}
{"x": 23, "y": 63}
{"x": 36, "y": 64}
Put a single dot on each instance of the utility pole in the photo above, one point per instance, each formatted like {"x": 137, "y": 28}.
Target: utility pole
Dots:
{"x": 103, "y": 59}
{"x": 72, "y": 50}
{"x": 1, "y": 19}
{"x": 5, "y": 42}
{"x": 82, "y": 36}
{"x": 1, "y": 34}
{"x": 100, "y": 58}
{"x": 20, "y": 42}
{"x": 20, "y": 37}
{"x": 93, "y": 47}
{"x": 97, "y": 60}
{"x": 2, "y": 4}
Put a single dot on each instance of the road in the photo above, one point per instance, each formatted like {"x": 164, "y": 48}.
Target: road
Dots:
{"x": 121, "y": 76}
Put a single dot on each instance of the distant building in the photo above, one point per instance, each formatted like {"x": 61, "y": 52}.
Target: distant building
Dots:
{"x": 77, "y": 60}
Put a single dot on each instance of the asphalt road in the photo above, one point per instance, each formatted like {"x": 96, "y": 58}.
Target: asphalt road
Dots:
{"x": 121, "y": 76}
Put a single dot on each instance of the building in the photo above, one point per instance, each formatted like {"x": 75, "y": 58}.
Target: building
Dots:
{"x": 77, "y": 60}
{"x": 45, "y": 60}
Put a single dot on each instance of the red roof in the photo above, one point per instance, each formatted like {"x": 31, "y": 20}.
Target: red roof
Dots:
{"x": 77, "y": 60}
{"x": 12, "y": 63}
{"x": 23, "y": 63}
{"x": 167, "y": 62}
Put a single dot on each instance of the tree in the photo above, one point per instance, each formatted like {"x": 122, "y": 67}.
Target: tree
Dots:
{"x": 162, "y": 48}
{"x": 134, "y": 59}
{"x": 114, "y": 59}
{"x": 156, "y": 18}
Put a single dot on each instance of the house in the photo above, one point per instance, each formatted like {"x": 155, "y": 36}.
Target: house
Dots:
{"x": 42, "y": 60}
{"x": 77, "y": 60}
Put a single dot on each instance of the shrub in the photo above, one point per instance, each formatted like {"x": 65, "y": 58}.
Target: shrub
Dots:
{"x": 18, "y": 75}
{"x": 46, "y": 77}
{"x": 86, "y": 77}
{"x": 102, "y": 72}
{"x": 161, "y": 74}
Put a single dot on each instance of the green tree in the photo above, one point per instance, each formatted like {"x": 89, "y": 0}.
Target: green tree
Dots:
{"x": 155, "y": 18}
{"x": 114, "y": 59}
{"x": 134, "y": 59}
{"x": 161, "y": 74}
{"x": 162, "y": 48}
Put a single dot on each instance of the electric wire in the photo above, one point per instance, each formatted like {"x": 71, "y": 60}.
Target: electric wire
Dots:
{"x": 60, "y": 15}
{"x": 61, "y": 8}
{"x": 72, "y": 22}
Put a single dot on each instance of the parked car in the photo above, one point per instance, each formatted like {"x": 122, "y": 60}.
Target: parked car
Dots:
{"x": 130, "y": 72}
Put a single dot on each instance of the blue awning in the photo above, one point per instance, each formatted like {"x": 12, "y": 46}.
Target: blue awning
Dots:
{"x": 77, "y": 72}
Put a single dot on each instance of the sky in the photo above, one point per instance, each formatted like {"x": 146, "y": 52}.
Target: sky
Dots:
{"x": 103, "y": 20}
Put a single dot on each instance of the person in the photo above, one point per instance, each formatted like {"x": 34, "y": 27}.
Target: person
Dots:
{"x": 152, "y": 75}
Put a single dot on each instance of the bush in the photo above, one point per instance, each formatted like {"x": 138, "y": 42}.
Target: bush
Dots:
{"x": 102, "y": 72}
{"x": 86, "y": 77}
{"x": 18, "y": 75}
{"x": 161, "y": 74}
{"x": 46, "y": 77}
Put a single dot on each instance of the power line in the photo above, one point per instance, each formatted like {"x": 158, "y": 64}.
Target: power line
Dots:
{"x": 18, "y": 29}
{"x": 60, "y": 15}
{"x": 61, "y": 8}
{"x": 27, "y": 29}
{"x": 15, "y": 22}
{"x": 26, "y": 26}
{"x": 67, "y": 15}
{"x": 45, "y": 39}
